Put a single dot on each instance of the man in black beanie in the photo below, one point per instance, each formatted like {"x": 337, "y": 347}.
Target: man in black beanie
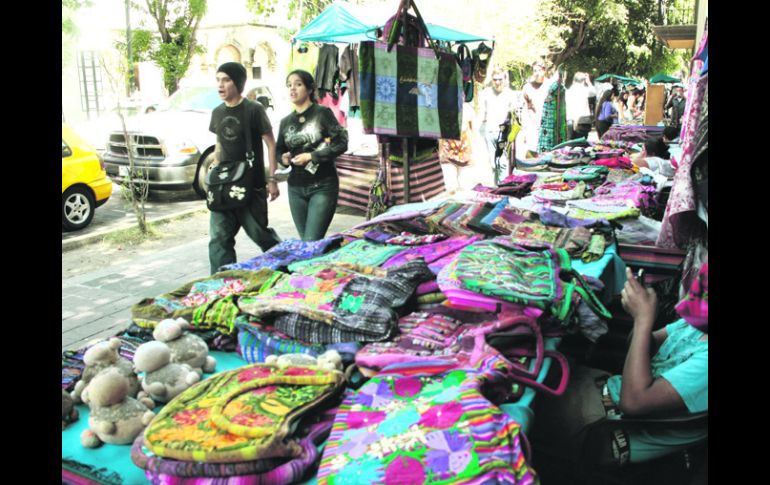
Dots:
{"x": 229, "y": 122}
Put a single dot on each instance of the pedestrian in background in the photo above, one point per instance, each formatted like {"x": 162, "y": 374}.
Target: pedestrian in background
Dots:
{"x": 579, "y": 117}
{"x": 228, "y": 122}
{"x": 534, "y": 94}
{"x": 309, "y": 140}
{"x": 606, "y": 113}
{"x": 675, "y": 106}
{"x": 496, "y": 102}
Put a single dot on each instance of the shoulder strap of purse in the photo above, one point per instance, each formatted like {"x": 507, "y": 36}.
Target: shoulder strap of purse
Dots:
{"x": 247, "y": 127}
{"x": 580, "y": 286}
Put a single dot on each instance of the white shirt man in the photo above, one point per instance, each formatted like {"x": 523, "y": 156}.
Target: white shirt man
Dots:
{"x": 577, "y": 98}
{"x": 495, "y": 104}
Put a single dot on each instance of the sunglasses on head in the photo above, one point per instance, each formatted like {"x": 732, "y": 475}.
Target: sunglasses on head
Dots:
{"x": 497, "y": 79}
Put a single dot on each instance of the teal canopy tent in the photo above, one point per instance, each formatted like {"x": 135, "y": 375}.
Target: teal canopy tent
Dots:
{"x": 663, "y": 78}
{"x": 623, "y": 79}
{"x": 346, "y": 23}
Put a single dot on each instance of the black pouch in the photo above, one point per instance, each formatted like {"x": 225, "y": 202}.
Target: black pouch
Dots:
{"x": 230, "y": 186}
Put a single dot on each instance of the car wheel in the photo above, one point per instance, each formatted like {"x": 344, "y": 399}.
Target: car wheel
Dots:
{"x": 77, "y": 208}
{"x": 203, "y": 169}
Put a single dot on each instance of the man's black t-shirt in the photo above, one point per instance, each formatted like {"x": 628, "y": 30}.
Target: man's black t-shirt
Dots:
{"x": 228, "y": 124}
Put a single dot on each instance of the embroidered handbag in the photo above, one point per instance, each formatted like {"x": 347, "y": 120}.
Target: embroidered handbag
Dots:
{"x": 426, "y": 422}
{"x": 534, "y": 234}
{"x": 435, "y": 337}
{"x": 540, "y": 278}
{"x": 365, "y": 308}
{"x": 589, "y": 173}
{"x": 239, "y": 415}
{"x": 312, "y": 431}
{"x": 410, "y": 90}
{"x": 256, "y": 342}
{"x": 465, "y": 60}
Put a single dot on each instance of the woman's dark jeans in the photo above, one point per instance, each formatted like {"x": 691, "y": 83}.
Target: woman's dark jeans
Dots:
{"x": 312, "y": 207}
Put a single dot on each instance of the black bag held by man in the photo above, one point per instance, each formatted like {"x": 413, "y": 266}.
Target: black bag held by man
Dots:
{"x": 231, "y": 184}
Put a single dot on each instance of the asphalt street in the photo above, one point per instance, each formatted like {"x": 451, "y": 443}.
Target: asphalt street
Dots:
{"x": 97, "y": 303}
{"x": 116, "y": 214}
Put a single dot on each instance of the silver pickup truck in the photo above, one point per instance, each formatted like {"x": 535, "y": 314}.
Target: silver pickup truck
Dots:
{"x": 173, "y": 145}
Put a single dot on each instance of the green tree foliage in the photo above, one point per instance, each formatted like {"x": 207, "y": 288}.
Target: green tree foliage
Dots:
{"x": 69, "y": 31}
{"x": 310, "y": 8}
{"x": 610, "y": 36}
{"x": 172, "y": 44}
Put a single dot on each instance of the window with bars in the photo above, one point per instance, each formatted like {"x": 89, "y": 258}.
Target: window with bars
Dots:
{"x": 91, "y": 89}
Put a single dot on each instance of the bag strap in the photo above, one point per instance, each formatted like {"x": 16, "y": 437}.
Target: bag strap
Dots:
{"x": 505, "y": 324}
{"x": 249, "y": 146}
{"x": 463, "y": 52}
{"x": 399, "y": 23}
{"x": 580, "y": 286}
{"x": 516, "y": 375}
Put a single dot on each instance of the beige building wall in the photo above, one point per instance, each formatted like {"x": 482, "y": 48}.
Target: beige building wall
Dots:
{"x": 260, "y": 48}
{"x": 703, "y": 13}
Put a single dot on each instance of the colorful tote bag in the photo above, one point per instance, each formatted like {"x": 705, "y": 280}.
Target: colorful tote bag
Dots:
{"x": 286, "y": 252}
{"x": 590, "y": 173}
{"x": 256, "y": 342}
{"x": 183, "y": 301}
{"x": 410, "y": 91}
{"x": 423, "y": 423}
{"x": 361, "y": 252}
{"x": 435, "y": 337}
{"x": 239, "y": 415}
{"x": 311, "y": 432}
{"x": 534, "y": 234}
{"x": 364, "y": 310}
{"x": 540, "y": 278}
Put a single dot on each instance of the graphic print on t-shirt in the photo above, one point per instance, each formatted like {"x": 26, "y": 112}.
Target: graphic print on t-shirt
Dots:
{"x": 304, "y": 138}
{"x": 230, "y": 128}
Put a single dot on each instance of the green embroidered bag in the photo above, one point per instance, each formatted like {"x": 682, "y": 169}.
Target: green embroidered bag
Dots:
{"x": 542, "y": 278}
{"x": 247, "y": 413}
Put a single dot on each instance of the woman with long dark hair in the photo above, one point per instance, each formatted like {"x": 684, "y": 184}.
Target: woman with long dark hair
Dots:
{"x": 605, "y": 112}
{"x": 309, "y": 140}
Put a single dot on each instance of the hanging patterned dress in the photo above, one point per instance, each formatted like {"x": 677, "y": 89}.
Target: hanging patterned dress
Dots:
{"x": 553, "y": 124}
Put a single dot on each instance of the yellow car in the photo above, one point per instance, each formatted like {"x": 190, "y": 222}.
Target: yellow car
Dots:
{"x": 84, "y": 183}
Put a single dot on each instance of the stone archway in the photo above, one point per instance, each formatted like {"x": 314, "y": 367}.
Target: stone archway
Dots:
{"x": 227, "y": 53}
{"x": 263, "y": 62}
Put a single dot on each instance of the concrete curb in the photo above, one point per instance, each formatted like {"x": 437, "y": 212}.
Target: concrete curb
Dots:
{"x": 80, "y": 241}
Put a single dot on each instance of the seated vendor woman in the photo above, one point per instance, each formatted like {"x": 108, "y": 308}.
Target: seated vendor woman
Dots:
{"x": 655, "y": 156}
{"x": 309, "y": 140}
{"x": 665, "y": 373}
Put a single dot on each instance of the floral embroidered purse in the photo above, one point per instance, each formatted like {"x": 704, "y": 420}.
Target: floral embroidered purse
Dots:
{"x": 242, "y": 414}
{"x": 424, "y": 423}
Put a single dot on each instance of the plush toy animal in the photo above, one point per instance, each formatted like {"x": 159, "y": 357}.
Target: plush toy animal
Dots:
{"x": 163, "y": 380}
{"x": 116, "y": 418}
{"x": 69, "y": 413}
{"x": 329, "y": 360}
{"x": 102, "y": 356}
{"x": 186, "y": 348}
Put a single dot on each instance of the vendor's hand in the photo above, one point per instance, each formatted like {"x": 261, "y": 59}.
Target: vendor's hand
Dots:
{"x": 272, "y": 190}
{"x": 640, "y": 302}
{"x": 302, "y": 159}
{"x": 286, "y": 159}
